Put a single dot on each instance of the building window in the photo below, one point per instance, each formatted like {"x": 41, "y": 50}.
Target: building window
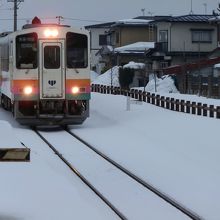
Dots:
{"x": 102, "y": 40}
{"x": 163, "y": 36}
{"x": 117, "y": 37}
{"x": 203, "y": 36}
{"x": 163, "y": 41}
{"x": 164, "y": 64}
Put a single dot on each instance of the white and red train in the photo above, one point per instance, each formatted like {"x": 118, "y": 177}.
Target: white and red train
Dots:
{"x": 45, "y": 74}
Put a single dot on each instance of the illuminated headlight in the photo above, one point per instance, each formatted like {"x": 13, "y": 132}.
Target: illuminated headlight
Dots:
{"x": 51, "y": 33}
{"x": 75, "y": 90}
{"x": 28, "y": 90}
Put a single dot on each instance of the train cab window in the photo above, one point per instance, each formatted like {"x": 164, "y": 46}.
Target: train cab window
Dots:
{"x": 77, "y": 50}
{"x": 26, "y": 51}
{"x": 52, "y": 57}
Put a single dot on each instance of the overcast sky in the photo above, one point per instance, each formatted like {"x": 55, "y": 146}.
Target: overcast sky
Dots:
{"x": 87, "y": 12}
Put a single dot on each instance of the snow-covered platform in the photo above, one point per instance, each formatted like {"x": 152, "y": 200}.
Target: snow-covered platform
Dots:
{"x": 11, "y": 149}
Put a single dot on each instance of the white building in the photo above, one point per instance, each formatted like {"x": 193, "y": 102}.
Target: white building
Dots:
{"x": 98, "y": 38}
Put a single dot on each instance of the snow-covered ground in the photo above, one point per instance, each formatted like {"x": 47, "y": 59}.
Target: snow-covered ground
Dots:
{"x": 177, "y": 153}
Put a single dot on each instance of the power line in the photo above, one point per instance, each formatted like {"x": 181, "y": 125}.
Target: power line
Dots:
{"x": 77, "y": 19}
{"x": 53, "y": 18}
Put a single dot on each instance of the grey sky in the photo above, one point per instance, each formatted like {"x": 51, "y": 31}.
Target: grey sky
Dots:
{"x": 98, "y": 10}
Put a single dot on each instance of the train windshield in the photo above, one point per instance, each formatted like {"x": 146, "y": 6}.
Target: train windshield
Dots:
{"x": 77, "y": 50}
{"x": 26, "y": 51}
{"x": 52, "y": 57}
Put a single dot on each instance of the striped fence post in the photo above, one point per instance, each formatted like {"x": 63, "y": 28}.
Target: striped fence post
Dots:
{"x": 157, "y": 100}
{"x": 193, "y": 108}
{"x": 172, "y": 103}
{"x": 108, "y": 89}
{"x": 140, "y": 95}
{"x": 182, "y": 105}
{"x": 144, "y": 95}
{"x": 92, "y": 88}
{"x": 211, "y": 111}
{"x": 153, "y": 99}
{"x": 136, "y": 94}
{"x": 148, "y": 97}
{"x": 162, "y": 101}
{"x": 204, "y": 107}
{"x": 199, "y": 108}
{"x": 132, "y": 93}
{"x": 218, "y": 112}
{"x": 177, "y": 105}
{"x": 188, "y": 107}
{"x": 167, "y": 103}
{"x": 104, "y": 89}
{"x": 95, "y": 88}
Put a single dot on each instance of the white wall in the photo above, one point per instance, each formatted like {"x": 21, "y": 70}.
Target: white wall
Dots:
{"x": 180, "y": 36}
{"x": 95, "y": 47}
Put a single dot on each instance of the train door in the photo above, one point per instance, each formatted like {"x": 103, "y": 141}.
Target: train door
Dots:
{"x": 52, "y": 70}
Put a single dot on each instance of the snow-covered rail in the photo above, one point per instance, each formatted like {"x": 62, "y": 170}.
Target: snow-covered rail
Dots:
{"x": 112, "y": 183}
{"x": 77, "y": 172}
{"x": 145, "y": 184}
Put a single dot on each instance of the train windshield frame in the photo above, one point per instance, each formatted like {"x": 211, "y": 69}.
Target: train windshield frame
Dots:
{"x": 26, "y": 51}
{"x": 51, "y": 57}
{"x": 77, "y": 50}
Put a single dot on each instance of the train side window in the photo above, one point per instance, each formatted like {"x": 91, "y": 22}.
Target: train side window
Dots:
{"x": 77, "y": 50}
{"x": 51, "y": 57}
{"x": 26, "y": 51}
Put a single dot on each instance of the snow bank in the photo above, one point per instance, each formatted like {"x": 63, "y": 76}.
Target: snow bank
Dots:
{"x": 163, "y": 85}
{"x": 8, "y": 139}
{"x": 133, "y": 65}
{"x": 110, "y": 77}
{"x": 93, "y": 75}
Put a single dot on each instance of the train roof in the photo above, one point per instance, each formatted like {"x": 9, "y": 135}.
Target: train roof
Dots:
{"x": 26, "y": 26}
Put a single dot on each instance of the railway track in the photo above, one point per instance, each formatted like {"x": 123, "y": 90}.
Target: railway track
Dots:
{"x": 187, "y": 212}
{"x": 85, "y": 181}
{"x": 165, "y": 197}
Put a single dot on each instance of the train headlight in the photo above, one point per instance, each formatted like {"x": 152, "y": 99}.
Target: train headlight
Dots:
{"x": 28, "y": 90}
{"x": 51, "y": 33}
{"x": 75, "y": 90}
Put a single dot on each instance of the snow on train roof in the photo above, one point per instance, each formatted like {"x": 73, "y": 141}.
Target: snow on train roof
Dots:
{"x": 26, "y": 26}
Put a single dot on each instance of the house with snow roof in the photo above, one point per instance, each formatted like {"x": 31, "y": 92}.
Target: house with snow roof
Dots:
{"x": 128, "y": 31}
{"x": 98, "y": 38}
{"x": 178, "y": 40}
{"x": 184, "y": 39}
{"x": 118, "y": 34}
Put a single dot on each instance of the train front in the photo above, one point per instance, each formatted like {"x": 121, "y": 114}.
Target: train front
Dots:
{"x": 51, "y": 81}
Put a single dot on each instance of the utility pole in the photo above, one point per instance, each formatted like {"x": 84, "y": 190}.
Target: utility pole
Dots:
{"x": 191, "y": 11}
{"x": 205, "y": 6}
{"x": 59, "y": 19}
{"x": 16, "y": 3}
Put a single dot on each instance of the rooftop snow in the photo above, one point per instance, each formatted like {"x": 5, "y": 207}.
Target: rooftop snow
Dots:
{"x": 136, "y": 47}
{"x": 133, "y": 21}
{"x": 133, "y": 65}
